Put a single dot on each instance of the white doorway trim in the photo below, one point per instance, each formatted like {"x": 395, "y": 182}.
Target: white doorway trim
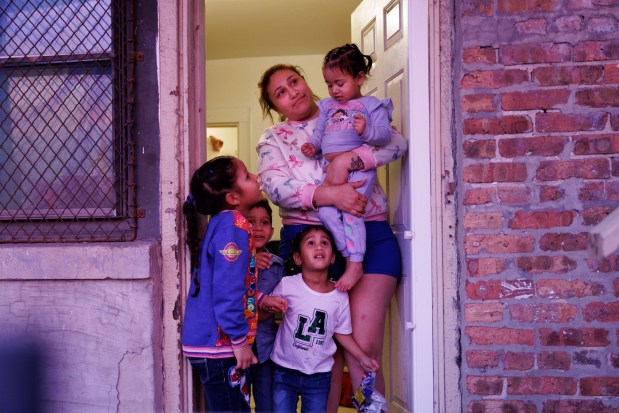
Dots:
{"x": 421, "y": 208}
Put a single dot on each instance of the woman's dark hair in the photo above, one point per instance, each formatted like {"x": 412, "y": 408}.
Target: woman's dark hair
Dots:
{"x": 264, "y": 99}
{"x": 348, "y": 59}
{"x": 209, "y": 186}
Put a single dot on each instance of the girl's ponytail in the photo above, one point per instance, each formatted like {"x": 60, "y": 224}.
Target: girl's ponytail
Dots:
{"x": 193, "y": 239}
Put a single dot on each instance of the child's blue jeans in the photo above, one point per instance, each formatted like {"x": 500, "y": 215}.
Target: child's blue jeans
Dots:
{"x": 262, "y": 386}
{"x": 225, "y": 388}
{"x": 289, "y": 384}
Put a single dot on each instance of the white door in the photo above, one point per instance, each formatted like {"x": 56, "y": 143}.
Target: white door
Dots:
{"x": 388, "y": 31}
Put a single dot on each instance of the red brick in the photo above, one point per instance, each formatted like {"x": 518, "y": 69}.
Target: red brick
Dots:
{"x": 541, "y": 219}
{"x": 568, "y": 75}
{"x": 614, "y": 121}
{"x": 569, "y": 122}
{"x": 481, "y": 267}
{"x": 595, "y": 215}
{"x": 593, "y": 168}
{"x": 543, "y": 313}
{"x": 478, "y": 103}
{"x": 485, "y": 54}
{"x": 536, "y": 99}
{"x": 588, "y": 358}
{"x": 604, "y": 312}
{"x": 591, "y": 51}
{"x": 518, "y": 54}
{"x": 575, "y": 337}
{"x": 551, "y": 193}
{"x": 485, "y": 336}
{"x": 612, "y": 190}
{"x": 562, "y": 289}
{"x": 501, "y": 406}
{"x": 577, "y": 406}
{"x": 505, "y": 125}
{"x": 541, "y": 385}
{"x": 496, "y": 172}
{"x": 532, "y": 26}
{"x": 563, "y": 242}
{"x": 596, "y": 144}
{"x": 498, "y": 244}
{"x": 602, "y": 24}
{"x": 599, "y": 386}
{"x": 480, "y": 149}
{"x": 606, "y": 265}
{"x": 611, "y": 73}
{"x": 478, "y": 196}
{"x": 482, "y": 359}
{"x": 598, "y": 98}
{"x": 592, "y": 191}
{"x": 616, "y": 287}
{"x": 494, "y": 79}
{"x": 556, "y": 264}
{"x": 499, "y": 289}
{"x": 484, "y": 385}
{"x": 554, "y": 360}
{"x": 528, "y": 6}
{"x": 483, "y": 220}
{"x": 535, "y": 146}
{"x": 518, "y": 361}
{"x": 483, "y": 313}
{"x": 514, "y": 195}
{"x": 614, "y": 361}
{"x": 478, "y": 7}
{"x": 569, "y": 23}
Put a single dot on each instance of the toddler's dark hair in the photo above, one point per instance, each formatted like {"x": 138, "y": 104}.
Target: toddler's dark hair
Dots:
{"x": 348, "y": 59}
{"x": 209, "y": 186}
{"x": 264, "y": 204}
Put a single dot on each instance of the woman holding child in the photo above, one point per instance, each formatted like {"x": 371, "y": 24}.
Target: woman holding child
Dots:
{"x": 295, "y": 183}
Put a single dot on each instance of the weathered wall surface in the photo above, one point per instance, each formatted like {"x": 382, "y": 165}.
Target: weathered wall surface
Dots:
{"x": 89, "y": 311}
{"x": 537, "y": 121}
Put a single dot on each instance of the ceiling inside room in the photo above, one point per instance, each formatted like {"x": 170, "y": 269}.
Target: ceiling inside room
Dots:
{"x": 254, "y": 28}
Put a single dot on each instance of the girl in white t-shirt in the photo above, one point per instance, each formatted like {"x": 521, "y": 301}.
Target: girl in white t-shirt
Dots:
{"x": 317, "y": 314}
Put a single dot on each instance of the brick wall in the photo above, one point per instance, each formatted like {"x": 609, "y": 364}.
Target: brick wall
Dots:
{"x": 537, "y": 125}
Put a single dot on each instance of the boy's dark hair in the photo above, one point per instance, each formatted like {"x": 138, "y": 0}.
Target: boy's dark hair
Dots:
{"x": 209, "y": 186}
{"x": 264, "y": 203}
{"x": 348, "y": 59}
{"x": 296, "y": 241}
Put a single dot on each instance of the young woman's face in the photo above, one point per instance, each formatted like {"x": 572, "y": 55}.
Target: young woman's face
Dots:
{"x": 291, "y": 95}
{"x": 342, "y": 86}
{"x": 261, "y": 225}
{"x": 247, "y": 187}
{"x": 316, "y": 251}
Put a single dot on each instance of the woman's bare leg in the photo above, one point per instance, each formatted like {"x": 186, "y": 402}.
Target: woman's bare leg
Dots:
{"x": 335, "y": 393}
{"x": 369, "y": 301}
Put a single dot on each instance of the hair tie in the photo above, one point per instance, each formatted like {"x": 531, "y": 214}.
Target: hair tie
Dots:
{"x": 189, "y": 199}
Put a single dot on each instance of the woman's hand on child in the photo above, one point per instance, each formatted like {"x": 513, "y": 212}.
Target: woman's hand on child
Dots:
{"x": 263, "y": 260}
{"x": 338, "y": 169}
{"x": 274, "y": 304}
{"x": 244, "y": 357}
{"x": 308, "y": 150}
{"x": 359, "y": 123}
{"x": 369, "y": 364}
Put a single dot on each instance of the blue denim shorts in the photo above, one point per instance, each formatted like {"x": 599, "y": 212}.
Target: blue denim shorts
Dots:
{"x": 382, "y": 255}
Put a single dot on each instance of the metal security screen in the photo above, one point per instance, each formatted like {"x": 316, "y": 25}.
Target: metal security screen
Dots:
{"x": 66, "y": 88}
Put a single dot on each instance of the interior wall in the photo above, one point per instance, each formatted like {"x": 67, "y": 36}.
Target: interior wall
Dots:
{"x": 232, "y": 86}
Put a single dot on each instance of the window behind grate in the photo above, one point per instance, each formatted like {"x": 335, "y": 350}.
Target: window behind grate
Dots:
{"x": 66, "y": 153}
